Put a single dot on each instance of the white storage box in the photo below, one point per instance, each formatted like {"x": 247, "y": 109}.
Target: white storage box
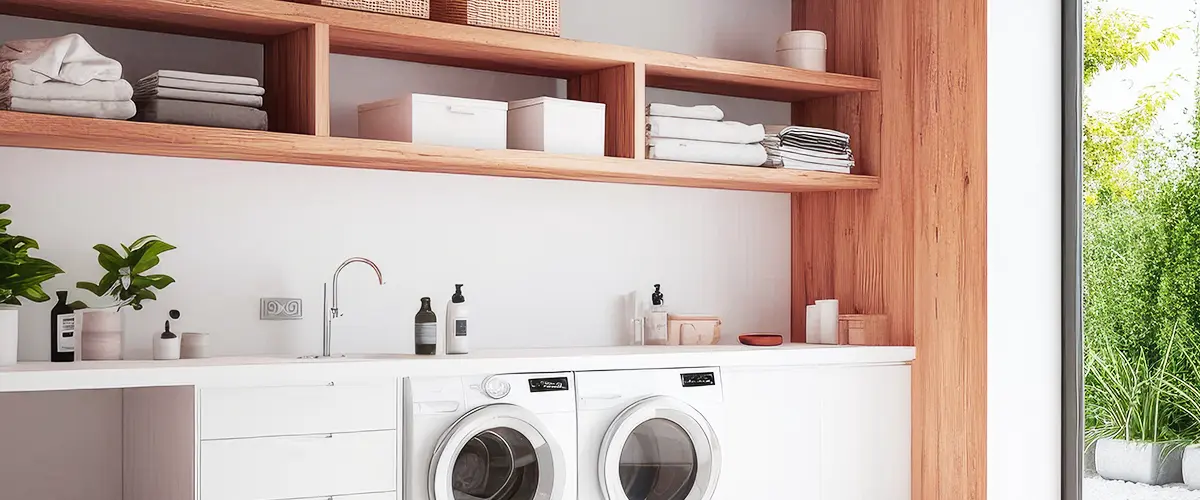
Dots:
{"x": 434, "y": 119}
{"x": 556, "y": 126}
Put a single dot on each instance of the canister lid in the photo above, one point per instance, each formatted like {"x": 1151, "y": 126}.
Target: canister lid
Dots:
{"x": 801, "y": 39}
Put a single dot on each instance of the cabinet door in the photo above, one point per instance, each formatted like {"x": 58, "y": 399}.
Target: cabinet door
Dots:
{"x": 772, "y": 440}
{"x": 298, "y": 466}
{"x": 866, "y": 433}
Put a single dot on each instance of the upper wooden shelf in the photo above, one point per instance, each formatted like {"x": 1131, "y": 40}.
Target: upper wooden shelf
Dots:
{"x": 393, "y": 37}
{"x": 109, "y": 136}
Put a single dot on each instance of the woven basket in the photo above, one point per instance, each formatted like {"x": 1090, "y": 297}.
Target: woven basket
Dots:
{"x": 530, "y": 16}
{"x": 407, "y": 8}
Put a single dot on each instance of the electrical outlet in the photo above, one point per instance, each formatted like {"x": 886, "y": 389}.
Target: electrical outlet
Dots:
{"x": 274, "y": 309}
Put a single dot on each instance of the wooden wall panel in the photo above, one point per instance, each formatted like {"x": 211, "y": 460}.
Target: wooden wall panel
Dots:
{"x": 296, "y": 76}
{"x": 622, "y": 89}
{"x": 916, "y": 248}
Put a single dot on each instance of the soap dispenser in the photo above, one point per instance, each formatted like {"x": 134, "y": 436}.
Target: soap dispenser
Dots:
{"x": 166, "y": 344}
{"x": 456, "y": 323}
{"x": 657, "y": 324}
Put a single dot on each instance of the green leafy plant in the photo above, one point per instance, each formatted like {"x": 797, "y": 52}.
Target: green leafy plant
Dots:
{"x": 1132, "y": 398}
{"x": 21, "y": 276}
{"x": 125, "y": 278}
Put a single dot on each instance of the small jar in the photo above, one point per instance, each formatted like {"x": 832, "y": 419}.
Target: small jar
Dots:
{"x": 802, "y": 49}
{"x": 195, "y": 346}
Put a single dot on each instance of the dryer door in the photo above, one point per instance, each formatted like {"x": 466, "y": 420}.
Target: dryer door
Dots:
{"x": 660, "y": 448}
{"x": 497, "y": 452}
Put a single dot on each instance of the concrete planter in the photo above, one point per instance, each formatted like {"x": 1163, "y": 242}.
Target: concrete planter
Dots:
{"x": 1089, "y": 457}
{"x": 1191, "y": 466}
{"x": 1139, "y": 462}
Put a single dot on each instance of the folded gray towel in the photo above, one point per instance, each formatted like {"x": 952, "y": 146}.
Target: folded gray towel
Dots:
{"x": 253, "y": 101}
{"x": 201, "y": 77}
{"x": 205, "y": 114}
{"x": 225, "y": 88}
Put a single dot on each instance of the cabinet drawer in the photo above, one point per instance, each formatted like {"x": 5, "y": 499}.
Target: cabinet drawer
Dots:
{"x": 294, "y": 410}
{"x": 319, "y": 465}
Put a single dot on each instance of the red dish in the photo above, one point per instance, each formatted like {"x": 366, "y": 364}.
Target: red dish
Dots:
{"x": 761, "y": 339}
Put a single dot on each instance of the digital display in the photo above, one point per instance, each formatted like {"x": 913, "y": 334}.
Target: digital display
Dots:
{"x": 699, "y": 379}
{"x": 549, "y": 384}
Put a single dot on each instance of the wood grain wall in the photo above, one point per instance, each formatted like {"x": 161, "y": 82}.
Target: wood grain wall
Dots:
{"x": 916, "y": 248}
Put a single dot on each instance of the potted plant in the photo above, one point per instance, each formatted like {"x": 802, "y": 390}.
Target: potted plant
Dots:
{"x": 127, "y": 283}
{"x": 1188, "y": 402}
{"x": 21, "y": 276}
{"x": 1132, "y": 405}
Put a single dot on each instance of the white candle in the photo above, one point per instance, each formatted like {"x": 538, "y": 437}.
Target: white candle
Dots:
{"x": 827, "y": 311}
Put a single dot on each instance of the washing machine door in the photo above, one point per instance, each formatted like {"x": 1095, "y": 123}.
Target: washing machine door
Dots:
{"x": 660, "y": 448}
{"x": 497, "y": 452}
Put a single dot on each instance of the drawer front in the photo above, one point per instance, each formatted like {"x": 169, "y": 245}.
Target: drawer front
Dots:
{"x": 320, "y": 465}
{"x": 295, "y": 410}
{"x": 459, "y": 125}
{"x": 391, "y": 495}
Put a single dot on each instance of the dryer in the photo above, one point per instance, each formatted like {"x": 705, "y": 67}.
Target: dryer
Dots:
{"x": 649, "y": 434}
{"x": 497, "y": 437}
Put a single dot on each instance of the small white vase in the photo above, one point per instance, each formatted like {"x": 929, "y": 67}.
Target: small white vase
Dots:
{"x": 166, "y": 349}
{"x": 8, "y": 335}
{"x": 102, "y": 336}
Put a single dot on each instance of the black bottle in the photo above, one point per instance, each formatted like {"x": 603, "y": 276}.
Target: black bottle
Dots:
{"x": 425, "y": 333}
{"x": 62, "y": 331}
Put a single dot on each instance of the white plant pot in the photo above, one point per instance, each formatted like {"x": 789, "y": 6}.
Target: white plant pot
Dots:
{"x": 102, "y": 335}
{"x": 166, "y": 349}
{"x": 8, "y": 335}
{"x": 1138, "y": 462}
{"x": 1191, "y": 466}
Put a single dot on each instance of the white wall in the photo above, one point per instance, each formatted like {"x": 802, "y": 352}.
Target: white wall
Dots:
{"x": 1024, "y": 242}
{"x": 545, "y": 263}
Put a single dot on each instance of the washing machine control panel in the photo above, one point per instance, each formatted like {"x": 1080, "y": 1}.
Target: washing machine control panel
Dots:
{"x": 496, "y": 388}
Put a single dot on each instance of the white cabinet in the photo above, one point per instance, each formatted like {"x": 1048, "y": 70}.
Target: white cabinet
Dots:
{"x": 333, "y": 440}
{"x": 818, "y": 433}
{"x": 298, "y": 466}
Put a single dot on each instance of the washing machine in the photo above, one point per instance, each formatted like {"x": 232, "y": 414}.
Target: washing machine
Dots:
{"x": 649, "y": 434}
{"x": 494, "y": 437}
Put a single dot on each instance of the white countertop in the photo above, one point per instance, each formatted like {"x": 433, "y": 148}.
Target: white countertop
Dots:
{"x": 241, "y": 371}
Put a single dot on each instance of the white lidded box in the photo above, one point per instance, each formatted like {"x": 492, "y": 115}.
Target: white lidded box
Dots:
{"x": 556, "y": 126}
{"x": 438, "y": 120}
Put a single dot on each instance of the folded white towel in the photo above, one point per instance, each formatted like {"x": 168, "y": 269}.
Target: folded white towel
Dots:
{"x": 201, "y": 77}
{"x": 94, "y": 90}
{"x": 114, "y": 110}
{"x": 252, "y": 101}
{"x": 805, "y": 165}
{"x": 705, "y": 112}
{"x": 64, "y": 59}
{"x": 723, "y": 153}
{"x": 703, "y": 130}
{"x": 179, "y": 83}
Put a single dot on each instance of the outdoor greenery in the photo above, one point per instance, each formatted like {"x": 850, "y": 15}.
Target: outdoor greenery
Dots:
{"x": 125, "y": 277}
{"x": 1141, "y": 247}
{"x": 21, "y": 276}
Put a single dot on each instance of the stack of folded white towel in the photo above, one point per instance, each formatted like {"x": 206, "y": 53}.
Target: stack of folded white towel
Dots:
{"x": 697, "y": 134}
{"x": 187, "y": 98}
{"x": 62, "y": 76}
{"x": 809, "y": 148}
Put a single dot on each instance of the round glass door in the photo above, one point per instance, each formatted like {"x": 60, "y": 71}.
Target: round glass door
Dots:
{"x": 660, "y": 449}
{"x": 498, "y": 452}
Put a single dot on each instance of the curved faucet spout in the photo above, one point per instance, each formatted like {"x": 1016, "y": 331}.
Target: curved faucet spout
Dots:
{"x": 333, "y": 300}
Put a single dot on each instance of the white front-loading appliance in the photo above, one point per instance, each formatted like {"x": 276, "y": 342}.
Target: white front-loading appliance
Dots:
{"x": 649, "y": 434}
{"x": 493, "y": 437}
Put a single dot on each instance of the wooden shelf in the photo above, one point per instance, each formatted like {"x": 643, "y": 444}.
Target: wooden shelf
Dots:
{"x": 108, "y": 136}
{"x": 393, "y": 37}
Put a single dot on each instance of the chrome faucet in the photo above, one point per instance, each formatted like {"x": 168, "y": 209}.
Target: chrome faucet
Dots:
{"x": 332, "y": 303}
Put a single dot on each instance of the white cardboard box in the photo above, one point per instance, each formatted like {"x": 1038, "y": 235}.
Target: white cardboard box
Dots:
{"x": 437, "y": 120}
{"x": 556, "y": 126}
